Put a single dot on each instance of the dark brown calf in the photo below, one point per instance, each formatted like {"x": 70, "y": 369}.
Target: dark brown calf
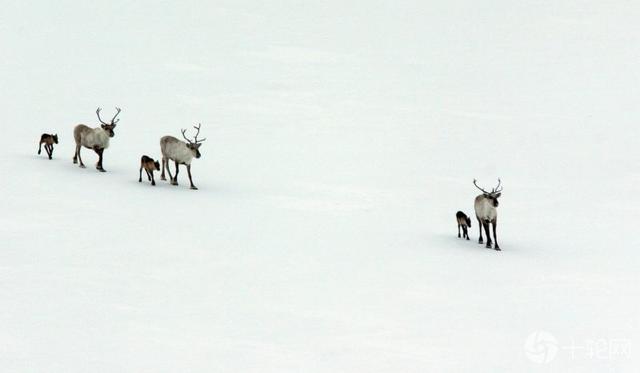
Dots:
{"x": 48, "y": 141}
{"x": 465, "y": 222}
{"x": 149, "y": 165}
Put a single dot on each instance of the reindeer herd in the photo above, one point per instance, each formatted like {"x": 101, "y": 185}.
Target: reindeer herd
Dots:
{"x": 182, "y": 153}
{"x": 97, "y": 139}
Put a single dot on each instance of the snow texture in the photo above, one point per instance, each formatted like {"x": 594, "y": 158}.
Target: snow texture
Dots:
{"x": 342, "y": 137}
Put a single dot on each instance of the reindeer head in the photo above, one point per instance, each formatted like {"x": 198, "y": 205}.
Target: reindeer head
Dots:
{"x": 108, "y": 127}
{"x": 55, "y": 138}
{"x": 157, "y": 165}
{"x": 195, "y": 144}
{"x": 468, "y": 222}
{"x": 493, "y": 195}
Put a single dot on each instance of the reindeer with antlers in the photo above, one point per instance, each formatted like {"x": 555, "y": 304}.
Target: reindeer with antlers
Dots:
{"x": 94, "y": 138}
{"x": 181, "y": 153}
{"x": 486, "y": 213}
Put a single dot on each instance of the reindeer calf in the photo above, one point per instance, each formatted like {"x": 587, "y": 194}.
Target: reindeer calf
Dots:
{"x": 149, "y": 165}
{"x": 465, "y": 222}
{"x": 48, "y": 141}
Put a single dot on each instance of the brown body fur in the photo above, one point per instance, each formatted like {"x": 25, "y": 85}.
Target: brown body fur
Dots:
{"x": 465, "y": 222}
{"x": 149, "y": 165}
{"x": 48, "y": 141}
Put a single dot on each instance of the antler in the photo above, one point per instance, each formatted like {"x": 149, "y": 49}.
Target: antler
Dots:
{"x": 496, "y": 190}
{"x": 185, "y": 137}
{"x": 118, "y": 110}
{"x": 195, "y": 139}
{"x": 474, "y": 183}
{"x": 100, "y": 119}
{"x": 197, "y": 133}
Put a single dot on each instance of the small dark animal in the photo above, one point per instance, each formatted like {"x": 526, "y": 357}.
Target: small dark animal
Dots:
{"x": 465, "y": 222}
{"x": 48, "y": 141}
{"x": 149, "y": 165}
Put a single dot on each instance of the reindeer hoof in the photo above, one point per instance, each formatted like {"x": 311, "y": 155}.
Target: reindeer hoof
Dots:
{"x": 101, "y": 170}
{"x": 83, "y": 166}
{"x": 488, "y": 246}
{"x": 163, "y": 178}
{"x": 153, "y": 184}
{"x": 193, "y": 187}
{"x": 497, "y": 249}
{"x": 467, "y": 238}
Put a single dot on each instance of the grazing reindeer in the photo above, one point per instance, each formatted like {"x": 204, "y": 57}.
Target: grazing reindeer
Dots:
{"x": 149, "y": 165}
{"x": 485, "y": 206}
{"x": 181, "y": 153}
{"x": 465, "y": 222}
{"x": 48, "y": 141}
{"x": 94, "y": 138}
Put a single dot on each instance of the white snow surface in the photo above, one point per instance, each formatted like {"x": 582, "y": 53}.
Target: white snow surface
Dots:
{"x": 342, "y": 137}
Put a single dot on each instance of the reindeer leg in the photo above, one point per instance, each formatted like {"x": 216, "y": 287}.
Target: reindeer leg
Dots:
{"x": 466, "y": 232}
{"x": 169, "y": 171}
{"x": 153, "y": 180}
{"x": 99, "y": 164}
{"x": 175, "y": 179}
{"x": 140, "y": 177}
{"x": 480, "y": 227}
{"x": 485, "y": 224}
{"x": 148, "y": 174}
{"x": 164, "y": 161}
{"x": 49, "y": 149}
{"x": 78, "y": 148}
{"x": 100, "y": 160}
{"x": 458, "y": 230}
{"x": 190, "y": 179}
{"x": 495, "y": 238}
{"x": 40, "y": 148}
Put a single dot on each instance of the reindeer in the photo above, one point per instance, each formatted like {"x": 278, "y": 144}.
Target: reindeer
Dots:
{"x": 486, "y": 213}
{"x": 94, "y": 138}
{"x": 463, "y": 221}
{"x": 48, "y": 141}
{"x": 149, "y": 165}
{"x": 181, "y": 153}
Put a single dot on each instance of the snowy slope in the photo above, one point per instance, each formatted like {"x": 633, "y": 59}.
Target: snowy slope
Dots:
{"x": 342, "y": 139}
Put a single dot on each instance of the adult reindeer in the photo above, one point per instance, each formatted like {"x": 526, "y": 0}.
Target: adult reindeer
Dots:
{"x": 181, "y": 153}
{"x": 94, "y": 138}
{"x": 486, "y": 213}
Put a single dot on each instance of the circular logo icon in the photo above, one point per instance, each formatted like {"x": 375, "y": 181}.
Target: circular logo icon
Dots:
{"x": 541, "y": 347}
